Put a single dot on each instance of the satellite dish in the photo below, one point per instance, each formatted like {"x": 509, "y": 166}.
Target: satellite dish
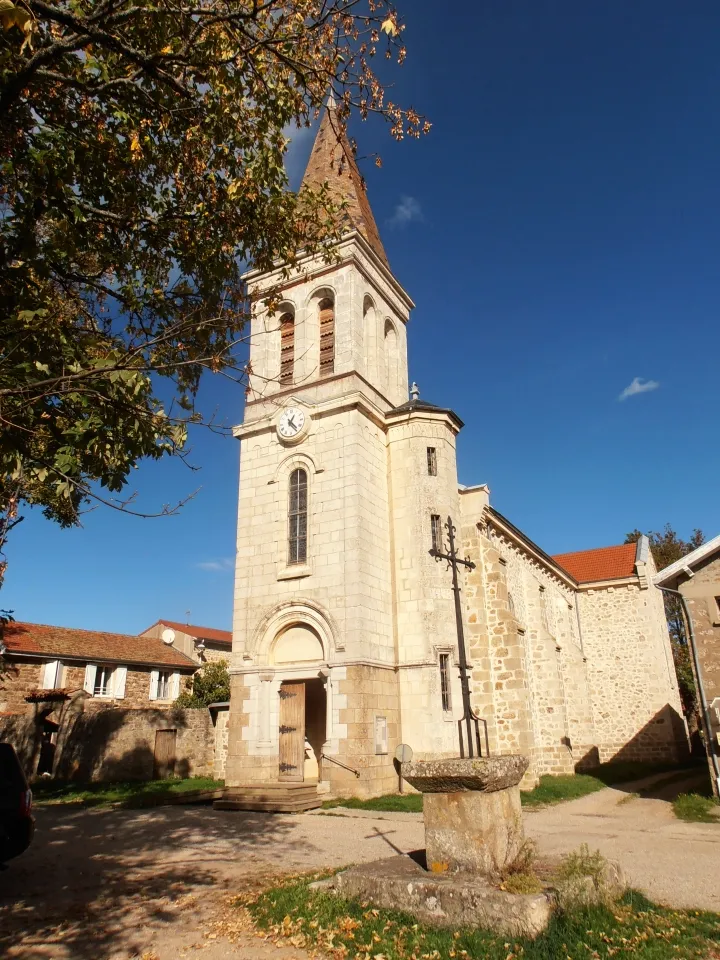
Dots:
{"x": 168, "y": 636}
{"x": 403, "y": 753}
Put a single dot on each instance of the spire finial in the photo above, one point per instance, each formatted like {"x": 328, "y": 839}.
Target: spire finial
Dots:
{"x": 414, "y": 391}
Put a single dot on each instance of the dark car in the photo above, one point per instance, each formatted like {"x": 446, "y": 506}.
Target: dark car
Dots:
{"x": 17, "y": 823}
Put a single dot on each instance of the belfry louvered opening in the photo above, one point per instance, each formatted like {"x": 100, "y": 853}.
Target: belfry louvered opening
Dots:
{"x": 327, "y": 336}
{"x": 287, "y": 347}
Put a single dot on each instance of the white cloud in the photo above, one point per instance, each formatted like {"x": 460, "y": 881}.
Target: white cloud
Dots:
{"x": 217, "y": 566}
{"x": 406, "y": 211}
{"x": 639, "y": 386}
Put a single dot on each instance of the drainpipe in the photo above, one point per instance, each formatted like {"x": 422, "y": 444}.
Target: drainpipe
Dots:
{"x": 701, "y": 689}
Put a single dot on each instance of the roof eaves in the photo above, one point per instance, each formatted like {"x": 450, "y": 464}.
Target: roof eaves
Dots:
{"x": 121, "y": 661}
{"x": 697, "y": 556}
{"x": 519, "y": 535}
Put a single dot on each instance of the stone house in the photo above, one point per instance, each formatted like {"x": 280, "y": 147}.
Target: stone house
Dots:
{"x": 696, "y": 577}
{"x": 92, "y": 704}
{"x": 201, "y": 644}
{"x": 345, "y": 639}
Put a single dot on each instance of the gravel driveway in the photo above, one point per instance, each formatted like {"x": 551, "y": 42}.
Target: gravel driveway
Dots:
{"x": 100, "y": 884}
{"x": 122, "y": 883}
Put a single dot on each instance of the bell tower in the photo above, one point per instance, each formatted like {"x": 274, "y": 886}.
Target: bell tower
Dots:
{"x": 336, "y": 617}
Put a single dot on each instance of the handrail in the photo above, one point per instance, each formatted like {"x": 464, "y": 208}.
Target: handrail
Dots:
{"x": 324, "y": 756}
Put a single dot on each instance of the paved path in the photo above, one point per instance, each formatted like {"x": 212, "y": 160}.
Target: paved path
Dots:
{"x": 155, "y": 884}
{"x": 672, "y": 862}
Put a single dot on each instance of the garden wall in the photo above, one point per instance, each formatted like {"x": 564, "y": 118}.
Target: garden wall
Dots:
{"x": 110, "y": 743}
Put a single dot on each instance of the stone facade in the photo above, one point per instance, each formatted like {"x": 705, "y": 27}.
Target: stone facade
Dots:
{"x": 697, "y": 578}
{"x": 20, "y": 677}
{"x": 363, "y": 615}
{"x": 86, "y": 704}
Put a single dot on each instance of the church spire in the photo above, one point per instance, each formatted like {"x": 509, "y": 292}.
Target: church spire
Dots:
{"x": 333, "y": 161}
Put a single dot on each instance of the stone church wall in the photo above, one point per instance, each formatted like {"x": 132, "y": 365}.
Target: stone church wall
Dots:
{"x": 567, "y": 694}
{"x": 636, "y": 706}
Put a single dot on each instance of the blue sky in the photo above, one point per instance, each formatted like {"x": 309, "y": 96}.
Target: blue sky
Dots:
{"x": 559, "y": 231}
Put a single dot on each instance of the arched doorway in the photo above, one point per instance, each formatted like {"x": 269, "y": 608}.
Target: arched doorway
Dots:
{"x": 298, "y": 655}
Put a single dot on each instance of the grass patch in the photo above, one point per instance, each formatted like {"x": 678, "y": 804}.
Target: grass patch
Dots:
{"x": 636, "y": 928}
{"x": 556, "y": 789}
{"x": 129, "y": 794}
{"x": 393, "y": 802}
{"x": 695, "y": 808}
{"x": 551, "y": 789}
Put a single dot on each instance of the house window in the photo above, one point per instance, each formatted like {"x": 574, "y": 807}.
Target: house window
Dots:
{"x": 287, "y": 347}
{"x": 297, "y": 517}
{"x": 445, "y": 681}
{"x": 163, "y": 690}
{"x": 53, "y": 675}
{"x": 432, "y": 462}
{"x": 436, "y": 531}
{"x": 327, "y": 337}
{"x": 103, "y": 682}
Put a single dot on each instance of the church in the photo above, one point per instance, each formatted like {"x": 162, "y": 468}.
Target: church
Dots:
{"x": 345, "y": 640}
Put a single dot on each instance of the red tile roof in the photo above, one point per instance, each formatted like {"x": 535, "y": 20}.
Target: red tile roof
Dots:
{"x": 206, "y": 633}
{"x": 604, "y": 563}
{"x": 58, "y": 642}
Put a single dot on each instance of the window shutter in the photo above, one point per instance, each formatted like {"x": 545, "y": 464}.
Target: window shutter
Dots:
{"x": 287, "y": 347}
{"x": 327, "y": 337}
{"x": 175, "y": 686}
{"x": 90, "y": 672}
{"x": 49, "y": 675}
{"x": 153, "y": 684}
{"x": 119, "y": 678}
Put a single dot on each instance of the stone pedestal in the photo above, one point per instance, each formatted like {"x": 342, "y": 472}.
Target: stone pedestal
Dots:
{"x": 473, "y": 819}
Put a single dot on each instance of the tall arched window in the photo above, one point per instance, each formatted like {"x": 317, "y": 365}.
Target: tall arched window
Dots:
{"x": 297, "y": 517}
{"x": 287, "y": 347}
{"x": 391, "y": 355}
{"x": 327, "y": 336}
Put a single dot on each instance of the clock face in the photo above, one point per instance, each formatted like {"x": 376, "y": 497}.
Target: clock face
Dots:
{"x": 291, "y": 422}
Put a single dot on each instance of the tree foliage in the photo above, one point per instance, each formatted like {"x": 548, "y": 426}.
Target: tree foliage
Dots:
{"x": 667, "y": 547}
{"x": 211, "y": 684}
{"x": 141, "y": 170}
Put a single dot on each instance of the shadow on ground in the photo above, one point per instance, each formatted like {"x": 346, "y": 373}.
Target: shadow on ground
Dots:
{"x": 93, "y": 882}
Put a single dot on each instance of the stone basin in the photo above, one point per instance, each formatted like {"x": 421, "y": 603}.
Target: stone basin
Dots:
{"x": 484, "y": 774}
{"x": 473, "y": 820}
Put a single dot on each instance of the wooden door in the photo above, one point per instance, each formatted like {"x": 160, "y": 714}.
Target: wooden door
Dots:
{"x": 292, "y": 731}
{"x": 165, "y": 754}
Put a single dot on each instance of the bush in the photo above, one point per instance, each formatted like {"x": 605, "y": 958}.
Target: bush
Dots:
{"x": 211, "y": 684}
{"x": 586, "y": 879}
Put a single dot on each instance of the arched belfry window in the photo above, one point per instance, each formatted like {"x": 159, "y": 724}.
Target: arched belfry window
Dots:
{"x": 287, "y": 347}
{"x": 391, "y": 354}
{"x": 327, "y": 336}
{"x": 297, "y": 517}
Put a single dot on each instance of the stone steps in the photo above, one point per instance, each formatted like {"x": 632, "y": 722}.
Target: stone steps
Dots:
{"x": 273, "y": 797}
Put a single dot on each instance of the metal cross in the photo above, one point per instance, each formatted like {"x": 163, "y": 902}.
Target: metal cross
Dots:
{"x": 469, "y": 719}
